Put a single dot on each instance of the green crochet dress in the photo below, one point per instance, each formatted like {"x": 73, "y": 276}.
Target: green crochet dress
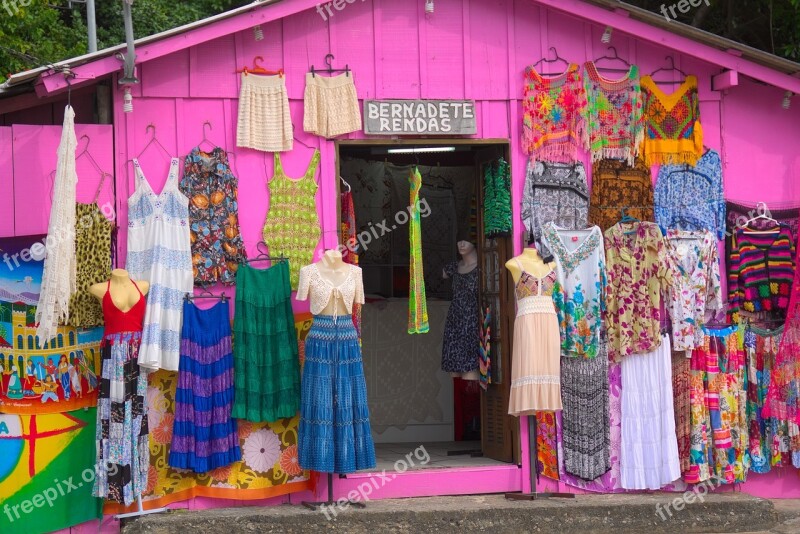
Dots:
{"x": 292, "y": 226}
{"x": 265, "y": 351}
{"x": 497, "y": 199}
{"x": 417, "y": 303}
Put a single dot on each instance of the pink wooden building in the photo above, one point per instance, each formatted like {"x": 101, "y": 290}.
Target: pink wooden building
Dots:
{"x": 472, "y": 50}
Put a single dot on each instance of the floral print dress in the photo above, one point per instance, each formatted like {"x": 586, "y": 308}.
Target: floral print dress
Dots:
{"x": 639, "y": 273}
{"x": 217, "y": 247}
{"x": 697, "y": 287}
{"x": 580, "y": 263}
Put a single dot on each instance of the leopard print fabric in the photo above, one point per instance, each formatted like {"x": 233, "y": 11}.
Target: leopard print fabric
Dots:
{"x": 93, "y": 252}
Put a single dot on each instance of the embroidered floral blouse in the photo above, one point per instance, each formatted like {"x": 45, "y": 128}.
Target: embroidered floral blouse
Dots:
{"x": 580, "y": 264}
{"x": 639, "y": 273}
{"x": 697, "y": 288}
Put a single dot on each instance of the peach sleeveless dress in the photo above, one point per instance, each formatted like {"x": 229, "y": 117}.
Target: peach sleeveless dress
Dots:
{"x": 536, "y": 354}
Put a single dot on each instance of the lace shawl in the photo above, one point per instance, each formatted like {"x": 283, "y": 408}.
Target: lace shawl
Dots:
{"x": 58, "y": 279}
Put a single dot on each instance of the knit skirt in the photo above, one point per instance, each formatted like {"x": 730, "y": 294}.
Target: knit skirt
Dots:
{"x": 649, "y": 455}
{"x": 204, "y": 435}
{"x": 586, "y": 422}
{"x": 265, "y": 353}
{"x": 264, "y": 120}
{"x": 123, "y": 449}
{"x": 334, "y": 435}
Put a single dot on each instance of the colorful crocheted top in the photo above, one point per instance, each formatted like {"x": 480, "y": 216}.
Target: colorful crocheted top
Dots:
{"x": 615, "y": 124}
{"x": 553, "y": 121}
{"x": 673, "y": 134}
{"x": 761, "y": 271}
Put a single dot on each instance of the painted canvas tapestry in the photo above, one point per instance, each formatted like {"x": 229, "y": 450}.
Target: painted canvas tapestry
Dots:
{"x": 47, "y": 471}
{"x": 56, "y": 377}
{"x": 269, "y": 465}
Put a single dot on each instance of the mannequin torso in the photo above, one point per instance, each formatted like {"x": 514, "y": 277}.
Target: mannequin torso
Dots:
{"x": 336, "y": 272}
{"x": 531, "y": 262}
{"x": 123, "y": 292}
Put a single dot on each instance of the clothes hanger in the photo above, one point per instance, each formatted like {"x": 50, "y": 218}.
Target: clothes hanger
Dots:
{"x": 556, "y": 59}
{"x": 612, "y": 57}
{"x": 686, "y": 168}
{"x": 103, "y": 174}
{"x": 257, "y": 68}
{"x": 205, "y": 294}
{"x": 155, "y": 140}
{"x": 344, "y": 182}
{"x": 264, "y": 255}
{"x": 329, "y": 61}
{"x": 671, "y": 68}
{"x": 628, "y": 219}
{"x": 762, "y": 216}
{"x": 205, "y": 138}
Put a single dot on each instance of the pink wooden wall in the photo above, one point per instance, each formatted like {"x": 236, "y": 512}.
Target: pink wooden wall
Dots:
{"x": 470, "y": 49}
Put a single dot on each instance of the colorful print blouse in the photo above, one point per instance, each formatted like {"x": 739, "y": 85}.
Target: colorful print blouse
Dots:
{"x": 615, "y": 185}
{"x": 217, "y": 246}
{"x": 615, "y": 121}
{"x": 760, "y": 272}
{"x": 553, "y": 122}
{"x": 697, "y": 288}
{"x": 692, "y": 198}
{"x": 639, "y": 274}
{"x": 673, "y": 134}
{"x": 580, "y": 264}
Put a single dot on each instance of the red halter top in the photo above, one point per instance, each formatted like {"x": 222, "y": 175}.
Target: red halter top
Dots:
{"x": 118, "y": 321}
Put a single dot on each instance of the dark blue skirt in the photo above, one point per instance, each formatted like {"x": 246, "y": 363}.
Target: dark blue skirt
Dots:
{"x": 334, "y": 435}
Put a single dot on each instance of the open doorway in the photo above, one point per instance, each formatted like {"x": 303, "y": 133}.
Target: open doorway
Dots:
{"x": 412, "y": 401}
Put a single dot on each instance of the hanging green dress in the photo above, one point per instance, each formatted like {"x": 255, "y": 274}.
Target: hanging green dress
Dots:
{"x": 417, "y": 305}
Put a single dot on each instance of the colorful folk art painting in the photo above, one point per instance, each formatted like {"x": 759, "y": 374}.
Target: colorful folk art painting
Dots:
{"x": 269, "y": 466}
{"x": 56, "y": 377}
{"x": 46, "y": 471}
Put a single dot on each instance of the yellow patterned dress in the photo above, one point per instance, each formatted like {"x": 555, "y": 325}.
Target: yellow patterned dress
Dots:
{"x": 292, "y": 226}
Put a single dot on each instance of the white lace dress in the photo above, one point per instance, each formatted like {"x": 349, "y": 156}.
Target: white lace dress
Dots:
{"x": 159, "y": 251}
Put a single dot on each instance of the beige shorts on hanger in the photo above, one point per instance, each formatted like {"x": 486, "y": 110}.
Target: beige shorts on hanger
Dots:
{"x": 331, "y": 106}
{"x": 264, "y": 120}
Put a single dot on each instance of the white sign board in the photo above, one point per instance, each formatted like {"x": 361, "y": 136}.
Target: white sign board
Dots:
{"x": 419, "y": 117}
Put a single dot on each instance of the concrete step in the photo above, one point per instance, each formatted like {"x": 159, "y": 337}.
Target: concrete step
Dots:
{"x": 585, "y": 514}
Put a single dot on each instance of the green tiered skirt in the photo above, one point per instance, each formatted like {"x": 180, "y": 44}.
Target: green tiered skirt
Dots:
{"x": 266, "y": 357}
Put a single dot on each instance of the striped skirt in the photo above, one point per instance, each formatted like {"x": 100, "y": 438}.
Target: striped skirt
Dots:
{"x": 204, "y": 435}
{"x": 334, "y": 435}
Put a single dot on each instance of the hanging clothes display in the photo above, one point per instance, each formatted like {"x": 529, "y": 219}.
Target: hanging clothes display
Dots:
{"x": 581, "y": 267}
{"x": 461, "y": 340}
{"x": 265, "y": 352}
{"x": 265, "y": 122}
{"x": 760, "y": 271}
{"x": 292, "y": 228}
{"x": 535, "y": 371}
{"x": 617, "y": 186}
{"x": 59, "y": 276}
{"x": 417, "y": 302}
{"x": 615, "y": 123}
{"x": 497, "y": 199}
{"x": 212, "y": 189}
{"x": 673, "y": 134}
{"x": 696, "y": 290}
{"x": 334, "y": 435}
{"x": 554, "y": 192}
{"x": 769, "y": 443}
{"x": 639, "y": 273}
{"x": 719, "y": 409}
{"x": 204, "y": 436}
{"x": 93, "y": 249}
{"x": 347, "y": 237}
{"x": 123, "y": 452}
{"x": 681, "y": 384}
{"x": 692, "y": 198}
{"x": 554, "y": 110}
{"x": 586, "y": 419}
{"x": 159, "y": 251}
{"x": 649, "y": 454}
{"x": 331, "y": 105}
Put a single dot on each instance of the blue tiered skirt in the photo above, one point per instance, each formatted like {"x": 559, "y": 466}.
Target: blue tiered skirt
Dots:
{"x": 204, "y": 435}
{"x": 334, "y": 435}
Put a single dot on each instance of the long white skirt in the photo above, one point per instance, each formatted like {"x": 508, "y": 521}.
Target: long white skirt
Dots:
{"x": 649, "y": 456}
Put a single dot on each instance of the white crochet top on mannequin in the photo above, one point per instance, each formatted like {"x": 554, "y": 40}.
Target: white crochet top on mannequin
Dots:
{"x": 322, "y": 290}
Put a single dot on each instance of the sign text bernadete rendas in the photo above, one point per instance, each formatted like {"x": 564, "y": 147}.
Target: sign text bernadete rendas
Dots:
{"x": 419, "y": 117}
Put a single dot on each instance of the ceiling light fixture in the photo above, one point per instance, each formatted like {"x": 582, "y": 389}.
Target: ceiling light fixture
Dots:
{"x": 787, "y": 100}
{"x": 606, "y": 38}
{"x": 258, "y": 33}
{"x": 422, "y": 150}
